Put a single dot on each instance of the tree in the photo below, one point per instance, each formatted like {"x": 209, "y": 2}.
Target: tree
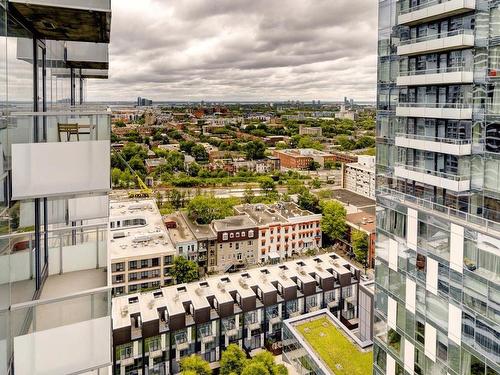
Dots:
{"x": 333, "y": 223}
{"x": 205, "y": 208}
{"x": 255, "y": 368}
{"x": 233, "y": 360}
{"x": 315, "y": 184}
{"x": 120, "y": 124}
{"x": 195, "y": 364}
{"x": 345, "y": 142}
{"x": 199, "y": 153}
{"x": 308, "y": 201}
{"x": 267, "y": 360}
{"x": 267, "y": 184}
{"x": 248, "y": 195}
{"x": 359, "y": 242}
{"x": 115, "y": 176}
{"x": 314, "y": 165}
{"x": 184, "y": 271}
{"x": 255, "y": 150}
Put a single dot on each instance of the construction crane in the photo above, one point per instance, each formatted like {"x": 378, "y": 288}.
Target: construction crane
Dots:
{"x": 145, "y": 191}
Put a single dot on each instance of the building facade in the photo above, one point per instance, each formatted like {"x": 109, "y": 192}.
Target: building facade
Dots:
{"x": 154, "y": 331}
{"x": 55, "y": 178}
{"x": 438, "y": 236}
{"x": 141, "y": 253}
{"x": 359, "y": 177}
{"x": 284, "y": 230}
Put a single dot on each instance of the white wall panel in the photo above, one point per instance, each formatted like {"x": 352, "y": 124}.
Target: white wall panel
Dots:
{"x": 409, "y": 358}
{"x": 412, "y": 228}
{"x": 85, "y": 208}
{"x": 430, "y": 342}
{"x": 392, "y": 310}
{"x": 393, "y": 254}
{"x": 431, "y": 280}
{"x": 454, "y": 324}
{"x": 48, "y": 169}
{"x": 411, "y": 292}
{"x": 64, "y": 350}
{"x": 457, "y": 248}
{"x": 390, "y": 368}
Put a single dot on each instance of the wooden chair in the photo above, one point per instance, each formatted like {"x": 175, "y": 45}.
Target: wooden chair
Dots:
{"x": 69, "y": 129}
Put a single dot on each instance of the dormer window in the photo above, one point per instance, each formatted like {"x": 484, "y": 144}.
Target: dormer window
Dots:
{"x": 237, "y": 234}
{"x": 231, "y": 235}
{"x": 243, "y": 234}
{"x": 250, "y": 233}
{"x": 224, "y": 236}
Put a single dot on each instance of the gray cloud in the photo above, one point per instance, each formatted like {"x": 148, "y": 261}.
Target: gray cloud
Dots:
{"x": 241, "y": 49}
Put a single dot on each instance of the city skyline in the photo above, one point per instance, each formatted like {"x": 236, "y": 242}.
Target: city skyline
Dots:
{"x": 240, "y": 52}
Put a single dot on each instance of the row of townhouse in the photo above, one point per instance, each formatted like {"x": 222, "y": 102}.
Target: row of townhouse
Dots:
{"x": 154, "y": 331}
{"x": 257, "y": 234}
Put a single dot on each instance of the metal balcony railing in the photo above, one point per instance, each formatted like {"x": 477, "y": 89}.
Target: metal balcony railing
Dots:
{"x": 448, "y": 176}
{"x": 437, "y": 36}
{"x": 453, "y": 141}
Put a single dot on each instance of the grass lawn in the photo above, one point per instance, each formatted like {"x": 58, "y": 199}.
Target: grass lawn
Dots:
{"x": 334, "y": 348}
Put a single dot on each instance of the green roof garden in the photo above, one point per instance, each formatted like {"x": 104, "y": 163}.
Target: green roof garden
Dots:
{"x": 336, "y": 351}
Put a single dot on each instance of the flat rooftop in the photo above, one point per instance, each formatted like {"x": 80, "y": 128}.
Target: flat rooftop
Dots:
{"x": 363, "y": 220}
{"x": 234, "y": 223}
{"x": 201, "y": 232}
{"x": 137, "y": 230}
{"x": 182, "y": 232}
{"x": 221, "y": 287}
{"x": 289, "y": 210}
{"x": 306, "y": 152}
{"x": 260, "y": 213}
{"x": 349, "y": 198}
{"x": 333, "y": 347}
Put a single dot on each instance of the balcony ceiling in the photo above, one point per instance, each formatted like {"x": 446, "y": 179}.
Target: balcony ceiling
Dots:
{"x": 71, "y": 24}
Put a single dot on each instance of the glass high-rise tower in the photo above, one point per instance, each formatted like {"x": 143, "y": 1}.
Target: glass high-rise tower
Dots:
{"x": 438, "y": 188}
{"x": 54, "y": 182}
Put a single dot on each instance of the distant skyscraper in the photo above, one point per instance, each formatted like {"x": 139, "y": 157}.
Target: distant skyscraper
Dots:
{"x": 438, "y": 180}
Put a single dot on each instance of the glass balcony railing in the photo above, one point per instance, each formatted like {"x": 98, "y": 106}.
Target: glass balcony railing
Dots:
{"x": 453, "y": 141}
{"x": 66, "y": 334}
{"x": 447, "y": 69}
{"x": 437, "y": 36}
{"x": 422, "y": 5}
{"x": 448, "y": 176}
{"x": 426, "y": 204}
{"x": 435, "y": 105}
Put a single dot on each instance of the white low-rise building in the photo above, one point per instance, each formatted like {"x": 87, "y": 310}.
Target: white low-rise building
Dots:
{"x": 360, "y": 177}
{"x": 140, "y": 250}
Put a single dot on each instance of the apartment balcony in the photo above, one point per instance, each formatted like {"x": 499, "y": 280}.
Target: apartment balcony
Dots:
{"x": 69, "y": 20}
{"x": 69, "y": 162}
{"x": 434, "y": 10}
{"x": 450, "y": 146}
{"x": 450, "y": 111}
{"x": 452, "y": 40}
{"x": 65, "y": 335}
{"x": 84, "y": 55}
{"x": 442, "y": 76}
{"x": 95, "y": 73}
{"x": 68, "y": 329}
{"x": 439, "y": 179}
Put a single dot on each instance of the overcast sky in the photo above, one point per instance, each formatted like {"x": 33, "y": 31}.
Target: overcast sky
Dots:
{"x": 241, "y": 50}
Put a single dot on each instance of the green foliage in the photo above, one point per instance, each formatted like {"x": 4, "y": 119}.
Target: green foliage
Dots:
{"x": 345, "y": 142}
{"x": 233, "y": 360}
{"x": 120, "y": 124}
{"x": 364, "y": 142}
{"x": 255, "y": 368}
{"x": 199, "y": 153}
{"x": 308, "y": 201}
{"x": 205, "y": 208}
{"x": 184, "y": 271}
{"x": 359, "y": 242}
{"x": 333, "y": 223}
{"x": 304, "y": 141}
{"x": 195, "y": 365}
{"x": 267, "y": 184}
{"x": 314, "y": 166}
{"x": 255, "y": 150}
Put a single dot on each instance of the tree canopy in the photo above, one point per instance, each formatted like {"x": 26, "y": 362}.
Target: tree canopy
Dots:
{"x": 359, "y": 241}
{"x": 205, "y": 208}
{"x": 184, "y": 270}
{"x": 333, "y": 223}
{"x": 195, "y": 365}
